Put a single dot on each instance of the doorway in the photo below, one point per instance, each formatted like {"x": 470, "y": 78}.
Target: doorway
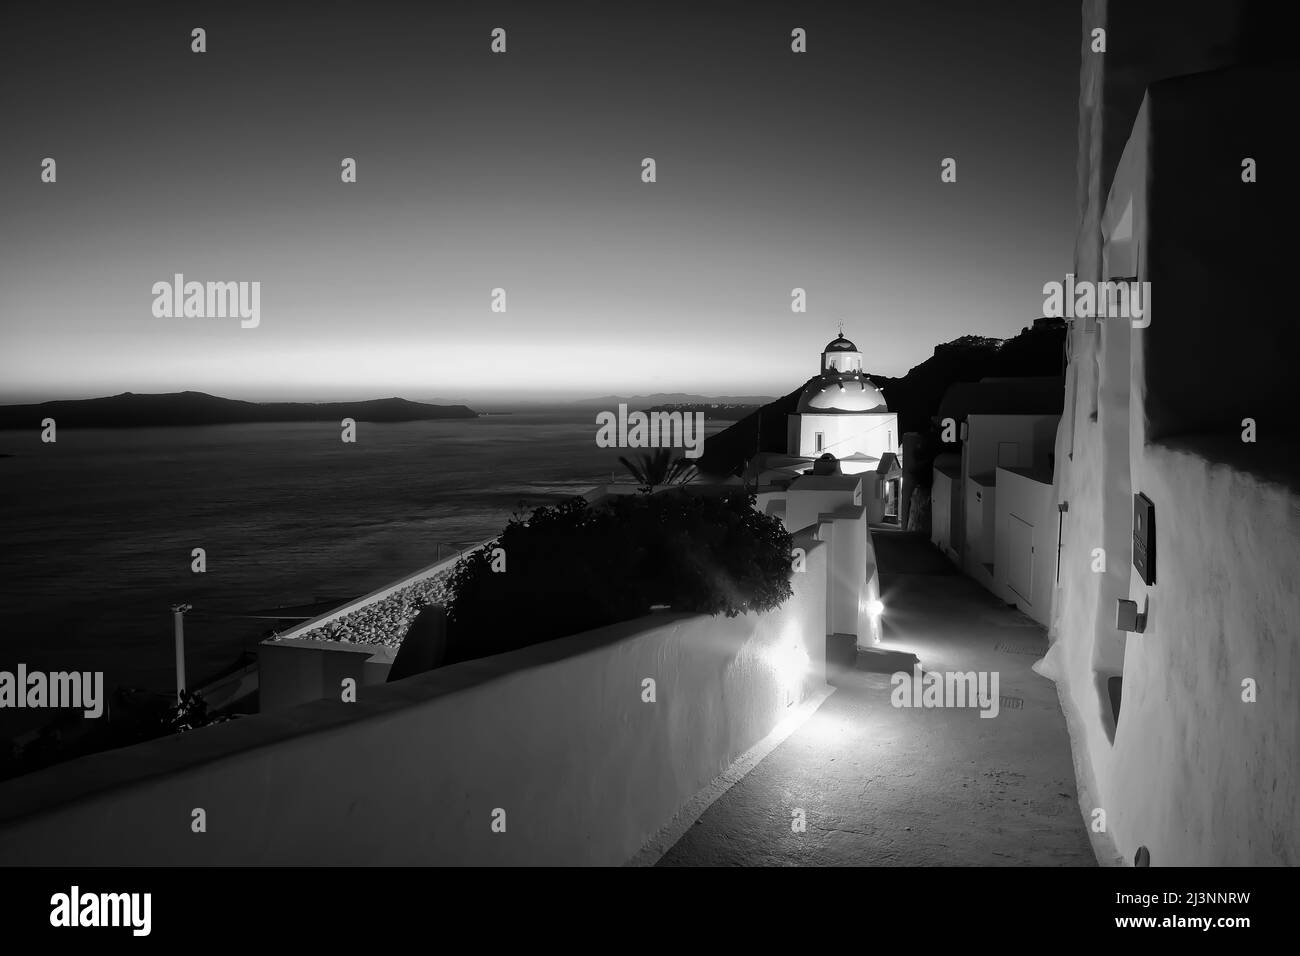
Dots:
{"x": 1020, "y": 558}
{"x": 892, "y": 496}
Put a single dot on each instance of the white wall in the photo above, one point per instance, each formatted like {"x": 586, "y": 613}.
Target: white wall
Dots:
{"x": 943, "y": 508}
{"x": 833, "y": 507}
{"x": 842, "y": 361}
{"x": 811, "y": 496}
{"x": 981, "y": 528}
{"x": 850, "y": 557}
{"x": 1196, "y": 774}
{"x": 295, "y": 671}
{"x": 556, "y": 734}
{"x": 1033, "y": 438}
{"x": 871, "y": 433}
{"x": 870, "y": 631}
{"x": 1191, "y": 771}
{"x": 993, "y": 440}
{"x": 1028, "y": 501}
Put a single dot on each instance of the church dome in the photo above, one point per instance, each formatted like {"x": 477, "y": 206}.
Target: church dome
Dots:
{"x": 842, "y": 356}
{"x": 841, "y": 393}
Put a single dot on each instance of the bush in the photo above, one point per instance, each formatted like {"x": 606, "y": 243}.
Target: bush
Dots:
{"x": 574, "y": 567}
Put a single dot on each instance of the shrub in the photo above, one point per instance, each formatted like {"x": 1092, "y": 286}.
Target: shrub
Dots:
{"x": 574, "y": 567}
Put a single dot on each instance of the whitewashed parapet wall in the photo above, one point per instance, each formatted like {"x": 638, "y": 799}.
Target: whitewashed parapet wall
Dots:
{"x": 559, "y": 736}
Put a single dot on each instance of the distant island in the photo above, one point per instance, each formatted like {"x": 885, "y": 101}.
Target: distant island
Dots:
{"x": 129, "y": 410}
{"x": 661, "y": 400}
{"x": 713, "y": 411}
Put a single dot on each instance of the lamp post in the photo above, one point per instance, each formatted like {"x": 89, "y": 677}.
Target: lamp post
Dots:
{"x": 178, "y": 624}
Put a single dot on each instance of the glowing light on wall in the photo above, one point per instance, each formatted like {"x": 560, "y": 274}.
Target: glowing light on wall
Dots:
{"x": 874, "y": 608}
{"x": 789, "y": 661}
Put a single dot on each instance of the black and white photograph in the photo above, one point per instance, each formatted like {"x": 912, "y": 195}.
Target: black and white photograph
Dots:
{"x": 586, "y": 435}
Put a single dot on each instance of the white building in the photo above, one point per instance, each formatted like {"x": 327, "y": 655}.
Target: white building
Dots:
{"x": 831, "y": 504}
{"x": 842, "y": 413}
{"x": 841, "y": 417}
{"x": 1007, "y": 428}
{"x": 1174, "y": 625}
{"x": 945, "y": 529}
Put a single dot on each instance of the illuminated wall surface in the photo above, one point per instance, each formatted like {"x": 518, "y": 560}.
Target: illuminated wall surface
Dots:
{"x": 559, "y": 735}
{"x": 1200, "y": 767}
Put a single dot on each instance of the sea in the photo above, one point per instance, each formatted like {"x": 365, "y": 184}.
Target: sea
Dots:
{"x": 97, "y": 530}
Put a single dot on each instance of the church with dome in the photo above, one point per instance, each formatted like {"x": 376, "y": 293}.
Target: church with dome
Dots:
{"x": 840, "y": 427}
{"x": 841, "y": 413}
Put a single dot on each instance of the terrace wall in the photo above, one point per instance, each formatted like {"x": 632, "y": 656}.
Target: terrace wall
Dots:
{"x": 556, "y": 735}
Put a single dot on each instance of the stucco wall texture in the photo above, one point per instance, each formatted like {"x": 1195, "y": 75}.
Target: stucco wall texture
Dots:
{"x": 1191, "y": 771}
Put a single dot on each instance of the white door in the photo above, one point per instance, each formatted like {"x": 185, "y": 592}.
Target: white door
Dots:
{"x": 1020, "y": 557}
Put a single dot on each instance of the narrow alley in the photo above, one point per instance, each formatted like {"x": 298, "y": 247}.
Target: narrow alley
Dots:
{"x": 885, "y": 785}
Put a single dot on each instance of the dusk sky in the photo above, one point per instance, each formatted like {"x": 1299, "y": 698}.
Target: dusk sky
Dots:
{"x": 523, "y": 171}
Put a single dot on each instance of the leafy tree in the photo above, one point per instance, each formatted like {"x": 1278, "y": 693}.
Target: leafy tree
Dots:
{"x": 575, "y": 567}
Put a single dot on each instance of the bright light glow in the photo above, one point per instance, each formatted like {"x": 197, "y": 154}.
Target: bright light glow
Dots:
{"x": 793, "y": 664}
{"x": 789, "y": 660}
{"x": 875, "y": 608}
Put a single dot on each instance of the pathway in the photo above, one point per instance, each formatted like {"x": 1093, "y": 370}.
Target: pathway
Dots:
{"x": 880, "y": 785}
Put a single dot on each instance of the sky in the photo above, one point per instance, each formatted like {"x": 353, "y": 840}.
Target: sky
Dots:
{"x": 523, "y": 171}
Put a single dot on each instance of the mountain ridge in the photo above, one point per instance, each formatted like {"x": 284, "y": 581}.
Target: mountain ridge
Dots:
{"x": 171, "y": 409}
{"x": 675, "y": 398}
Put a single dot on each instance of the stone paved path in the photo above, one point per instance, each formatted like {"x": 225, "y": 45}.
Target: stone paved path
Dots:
{"x": 881, "y": 785}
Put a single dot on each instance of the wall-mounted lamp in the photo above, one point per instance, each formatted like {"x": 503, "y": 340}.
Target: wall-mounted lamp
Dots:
{"x": 1129, "y": 618}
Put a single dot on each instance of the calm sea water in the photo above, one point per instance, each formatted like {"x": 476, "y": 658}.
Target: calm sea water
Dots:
{"x": 96, "y": 530}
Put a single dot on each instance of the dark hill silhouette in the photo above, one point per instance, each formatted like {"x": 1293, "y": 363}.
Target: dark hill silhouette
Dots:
{"x": 129, "y": 410}
{"x": 1037, "y": 351}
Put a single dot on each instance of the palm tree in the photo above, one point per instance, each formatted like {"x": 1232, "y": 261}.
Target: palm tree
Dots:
{"x": 659, "y": 468}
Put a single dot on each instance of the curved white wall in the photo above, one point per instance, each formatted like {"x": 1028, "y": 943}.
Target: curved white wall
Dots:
{"x": 1193, "y": 770}
{"x": 557, "y": 735}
